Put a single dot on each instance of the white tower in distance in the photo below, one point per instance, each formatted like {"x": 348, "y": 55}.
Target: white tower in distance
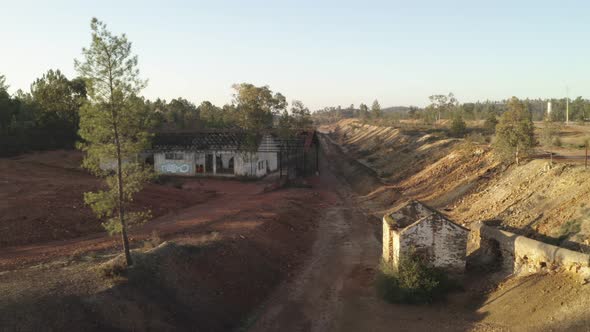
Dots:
{"x": 548, "y": 109}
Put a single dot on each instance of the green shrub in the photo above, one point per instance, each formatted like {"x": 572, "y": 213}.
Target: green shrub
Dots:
{"x": 113, "y": 269}
{"x": 413, "y": 283}
{"x": 458, "y": 126}
{"x": 490, "y": 123}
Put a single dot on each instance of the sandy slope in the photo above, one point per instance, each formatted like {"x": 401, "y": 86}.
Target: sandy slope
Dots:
{"x": 537, "y": 199}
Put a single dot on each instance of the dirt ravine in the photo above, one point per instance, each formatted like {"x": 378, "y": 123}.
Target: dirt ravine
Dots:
{"x": 334, "y": 290}
{"x": 312, "y": 301}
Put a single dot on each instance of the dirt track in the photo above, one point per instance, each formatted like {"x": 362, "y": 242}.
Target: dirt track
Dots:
{"x": 335, "y": 292}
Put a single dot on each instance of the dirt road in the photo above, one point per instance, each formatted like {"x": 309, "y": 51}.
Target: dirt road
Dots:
{"x": 334, "y": 291}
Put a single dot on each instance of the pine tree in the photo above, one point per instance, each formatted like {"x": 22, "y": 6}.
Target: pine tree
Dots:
{"x": 112, "y": 128}
{"x": 363, "y": 111}
{"x": 458, "y": 127}
{"x": 490, "y": 123}
{"x": 376, "y": 110}
{"x": 301, "y": 115}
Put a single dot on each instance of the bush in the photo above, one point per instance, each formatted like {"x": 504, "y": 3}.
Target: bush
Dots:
{"x": 549, "y": 133}
{"x": 458, "y": 127}
{"x": 490, "y": 123}
{"x": 413, "y": 283}
{"x": 113, "y": 269}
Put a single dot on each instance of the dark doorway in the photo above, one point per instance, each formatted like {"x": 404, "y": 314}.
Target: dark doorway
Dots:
{"x": 227, "y": 168}
{"x": 209, "y": 163}
{"x": 218, "y": 163}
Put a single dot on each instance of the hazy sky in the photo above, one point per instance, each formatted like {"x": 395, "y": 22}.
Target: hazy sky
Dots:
{"x": 321, "y": 52}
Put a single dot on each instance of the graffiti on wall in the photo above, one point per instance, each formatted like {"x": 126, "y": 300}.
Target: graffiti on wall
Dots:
{"x": 175, "y": 168}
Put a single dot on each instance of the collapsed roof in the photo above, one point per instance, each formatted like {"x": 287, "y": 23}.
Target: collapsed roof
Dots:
{"x": 232, "y": 140}
{"x": 410, "y": 212}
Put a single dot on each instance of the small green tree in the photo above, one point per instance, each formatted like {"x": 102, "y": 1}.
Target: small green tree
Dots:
{"x": 442, "y": 104}
{"x": 458, "y": 126}
{"x": 285, "y": 125}
{"x": 301, "y": 115}
{"x": 7, "y": 107}
{"x": 549, "y": 132}
{"x": 363, "y": 111}
{"x": 376, "y": 110}
{"x": 490, "y": 123}
{"x": 112, "y": 128}
{"x": 515, "y": 132}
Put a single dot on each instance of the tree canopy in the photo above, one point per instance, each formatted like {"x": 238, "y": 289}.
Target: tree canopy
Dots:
{"x": 256, "y": 107}
{"x": 376, "y": 110}
{"x": 515, "y": 132}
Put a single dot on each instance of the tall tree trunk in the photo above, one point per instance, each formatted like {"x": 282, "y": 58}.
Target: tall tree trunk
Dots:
{"x": 121, "y": 209}
{"x": 120, "y": 201}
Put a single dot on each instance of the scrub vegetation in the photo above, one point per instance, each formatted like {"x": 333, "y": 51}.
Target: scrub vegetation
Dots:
{"x": 413, "y": 282}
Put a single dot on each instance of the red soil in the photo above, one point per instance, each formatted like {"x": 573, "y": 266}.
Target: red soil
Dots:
{"x": 44, "y": 218}
{"x": 41, "y": 198}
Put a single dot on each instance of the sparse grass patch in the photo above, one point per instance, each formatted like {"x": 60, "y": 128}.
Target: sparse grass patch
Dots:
{"x": 477, "y": 138}
{"x": 153, "y": 241}
{"x": 569, "y": 228}
{"x": 413, "y": 283}
{"x": 386, "y": 174}
{"x": 113, "y": 269}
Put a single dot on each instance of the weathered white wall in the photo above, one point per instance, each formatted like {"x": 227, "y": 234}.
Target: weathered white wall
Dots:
{"x": 245, "y": 164}
{"x": 450, "y": 243}
{"x": 387, "y": 242}
{"x": 185, "y": 167}
{"x": 269, "y": 142}
{"x": 440, "y": 242}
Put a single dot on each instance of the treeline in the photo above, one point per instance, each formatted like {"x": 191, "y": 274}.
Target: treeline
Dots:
{"x": 333, "y": 114}
{"x": 47, "y": 117}
{"x": 44, "y": 118}
{"x": 447, "y": 107}
{"x": 252, "y": 108}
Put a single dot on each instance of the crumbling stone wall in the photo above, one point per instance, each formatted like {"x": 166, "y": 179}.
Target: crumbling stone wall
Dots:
{"x": 521, "y": 255}
{"x": 441, "y": 244}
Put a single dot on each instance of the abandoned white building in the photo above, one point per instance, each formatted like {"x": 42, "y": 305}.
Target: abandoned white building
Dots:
{"x": 414, "y": 228}
{"x": 225, "y": 153}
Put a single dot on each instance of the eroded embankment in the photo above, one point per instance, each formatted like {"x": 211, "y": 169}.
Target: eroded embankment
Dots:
{"x": 453, "y": 176}
{"x": 464, "y": 179}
